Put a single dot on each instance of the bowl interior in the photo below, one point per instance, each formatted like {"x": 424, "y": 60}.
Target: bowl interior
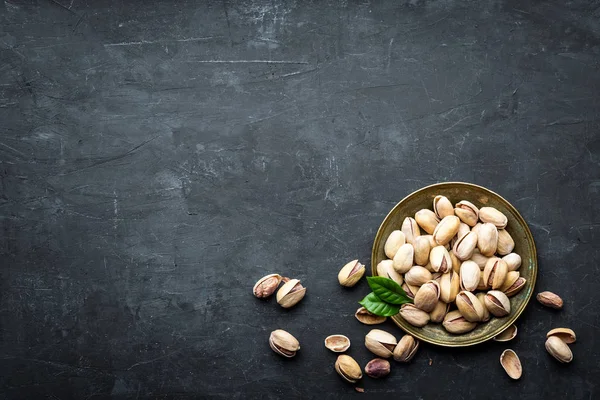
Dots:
{"x": 518, "y": 229}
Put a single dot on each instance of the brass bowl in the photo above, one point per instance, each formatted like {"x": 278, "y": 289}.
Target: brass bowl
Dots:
{"x": 518, "y": 229}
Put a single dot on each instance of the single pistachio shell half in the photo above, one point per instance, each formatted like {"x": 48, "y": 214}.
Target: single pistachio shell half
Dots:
{"x": 393, "y": 243}
{"x": 516, "y": 286}
{"x": 406, "y": 348}
{"x": 442, "y": 207}
{"x": 337, "y": 343}
{"x": 351, "y": 273}
{"x": 290, "y": 293}
{"x": 380, "y": 343}
{"x": 368, "y": 318}
{"x": 511, "y": 364}
{"x": 266, "y": 286}
{"x": 283, "y": 343}
{"x": 508, "y": 334}
{"x": 559, "y": 349}
{"x": 565, "y": 334}
{"x": 348, "y": 368}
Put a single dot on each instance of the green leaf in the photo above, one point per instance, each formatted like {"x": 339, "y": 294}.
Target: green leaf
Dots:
{"x": 388, "y": 290}
{"x": 378, "y": 307}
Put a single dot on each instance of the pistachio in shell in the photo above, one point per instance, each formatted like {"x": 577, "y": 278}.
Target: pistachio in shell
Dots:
{"x": 493, "y": 216}
{"x": 455, "y": 262}
{"x": 486, "y": 313}
{"x": 559, "y": 349}
{"x": 266, "y": 286}
{"x": 427, "y": 296}
{"x": 487, "y": 239}
{"x": 513, "y": 261}
{"x": 565, "y": 334}
{"x": 469, "y": 275}
{"x": 506, "y": 244}
{"x": 283, "y": 343}
{"x": 511, "y": 364}
{"x": 337, "y": 343}
{"x": 449, "y": 286}
{"x": 393, "y": 243}
{"x": 442, "y": 207}
{"x": 427, "y": 220}
{"x": 417, "y": 276}
{"x": 455, "y": 323}
{"x": 406, "y": 348}
{"x": 410, "y": 290}
{"x": 465, "y": 246}
{"x": 348, "y": 368}
{"x": 446, "y": 229}
{"x": 497, "y": 303}
{"x": 411, "y": 230}
{"x": 380, "y": 343}
{"x": 516, "y": 287}
{"x": 506, "y": 335}
{"x": 413, "y": 315}
{"x": 421, "y": 250}
{"x": 494, "y": 273}
{"x": 467, "y": 212}
{"x": 479, "y": 259}
{"x": 469, "y": 306}
{"x": 386, "y": 269}
{"x": 351, "y": 273}
{"x": 290, "y": 293}
{"x": 439, "y": 312}
{"x": 368, "y": 318}
{"x": 440, "y": 259}
{"x": 403, "y": 260}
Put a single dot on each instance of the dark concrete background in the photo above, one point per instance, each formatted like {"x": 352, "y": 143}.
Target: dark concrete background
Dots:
{"x": 158, "y": 157}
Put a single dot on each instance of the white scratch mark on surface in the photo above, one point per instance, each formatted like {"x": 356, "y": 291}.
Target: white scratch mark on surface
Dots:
{"x": 13, "y": 149}
{"x": 115, "y": 210}
{"x": 389, "y": 54}
{"x": 457, "y": 122}
{"x": 247, "y": 62}
{"x": 140, "y": 42}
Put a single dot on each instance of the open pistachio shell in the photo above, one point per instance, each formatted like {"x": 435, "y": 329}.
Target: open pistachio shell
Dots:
{"x": 565, "y": 334}
{"x": 508, "y": 334}
{"x": 283, "y": 343}
{"x": 467, "y": 212}
{"x": 406, "y": 348}
{"x": 351, "y": 273}
{"x": 368, "y": 318}
{"x": 337, "y": 343}
{"x": 380, "y": 343}
{"x": 290, "y": 293}
{"x": 511, "y": 364}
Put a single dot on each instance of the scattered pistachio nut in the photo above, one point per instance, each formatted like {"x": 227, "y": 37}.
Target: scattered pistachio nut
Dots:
{"x": 351, "y": 273}
{"x": 446, "y": 229}
{"x": 469, "y": 306}
{"x": 380, "y": 343}
{"x": 403, "y": 260}
{"x": 565, "y": 334}
{"x": 393, "y": 243}
{"x": 348, "y": 368}
{"x": 513, "y": 261}
{"x": 406, "y": 348}
{"x": 497, "y": 303}
{"x": 550, "y": 299}
{"x": 508, "y": 334}
{"x": 493, "y": 216}
{"x": 427, "y": 296}
{"x": 266, "y": 286}
{"x": 413, "y": 315}
{"x": 559, "y": 349}
{"x": 411, "y": 230}
{"x": 377, "y": 368}
{"x": 421, "y": 249}
{"x": 283, "y": 343}
{"x": 337, "y": 343}
{"x": 511, "y": 364}
{"x": 290, "y": 293}
{"x": 442, "y": 207}
{"x": 427, "y": 220}
{"x": 417, "y": 276}
{"x": 455, "y": 323}
{"x": 439, "y": 312}
{"x": 487, "y": 239}
{"x": 368, "y": 318}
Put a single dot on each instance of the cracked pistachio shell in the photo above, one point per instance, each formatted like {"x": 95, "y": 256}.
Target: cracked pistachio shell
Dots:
{"x": 446, "y": 229}
{"x": 411, "y": 230}
{"x": 404, "y": 258}
{"x": 464, "y": 247}
{"x": 427, "y": 296}
{"x": 511, "y": 364}
{"x": 497, "y": 303}
{"x": 516, "y": 286}
{"x": 427, "y": 220}
{"x": 413, "y": 315}
{"x": 283, "y": 343}
{"x": 406, "y": 348}
{"x": 487, "y": 239}
{"x": 469, "y": 306}
{"x": 442, "y": 207}
{"x": 449, "y": 287}
{"x": 455, "y": 323}
{"x": 348, "y": 368}
{"x": 467, "y": 212}
{"x": 469, "y": 276}
{"x": 486, "y": 314}
{"x": 422, "y": 249}
{"x": 266, "y": 286}
{"x": 337, "y": 343}
{"x": 511, "y": 278}
{"x": 506, "y": 244}
{"x": 493, "y": 216}
{"x": 386, "y": 269}
{"x": 479, "y": 259}
{"x": 559, "y": 349}
{"x": 410, "y": 290}
{"x": 377, "y": 368}
{"x": 439, "y": 312}
{"x": 368, "y": 318}
{"x": 351, "y": 273}
{"x": 393, "y": 243}
{"x": 508, "y": 334}
{"x": 290, "y": 293}
{"x": 380, "y": 343}
{"x": 565, "y": 334}
{"x": 440, "y": 259}
{"x": 417, "y": 276}
{"x": 513, "y": 261}
{"x": 494, "y": 273}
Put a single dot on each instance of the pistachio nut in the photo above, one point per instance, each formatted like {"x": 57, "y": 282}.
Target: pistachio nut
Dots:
{"x": 411, "y": 230}
{"x": 377, "y": 368}
{"x": 482, "y": 285}
{"x": 380, "y": 343}
{"x": 476, "y": 227}
{"x": 427, "y": 220}
{"x": 410, "y": 290}
{"x": 427, "y": 296}
{"x": 487, "y": 239}
{"x": 497, "y": 303}
{"x": 467, "y": 212}
{"x": 290, "y": 293}
{"x": 469, "y": 306}
{"x": 337, "y": 343}
{"x": 479, "y": 259}
{"x": 440, "y": 259}
{"x": 516, "y": 286}
{"x": 422, "y": 249}
{"x": 493, "y": 216}
{"x": 463, "y": 229}
{"x": 393, "y": 243}
{"x": 506, "y": 335}
{"x": 266, "y": 286}
{"x": 455, "y": 323}
{"x": 436, "y": 276}
{"x": 469, "y": 276}
{"x": 565, "y": 334}
{"x": 439, "y": 312}
{"x": 494, "y": 273}
{"x": 513, "y": 261}
{"x": 455, "y": 262}
{"x": 486, "y": 314}
{"x": 283, "y": 343}
{"x": 464, "y": 247}
{"x": 417, "y": 276}
{"x": 442, "y": 207}
{"x": 403, "y": 260}
{"x": 511, "y": 278}
{"x": 386, "y": 269}
{"x": 429, "y": 268}
{"x": 432, "y": 242}
{"x": 506, "y": 244}
{"x": 559, "y": 349}
{"x": 406, "y": 348}
{"x": 368, "y": 318}
{"x": 511, "y": 364}
{"x": 550, "y": 299}
{"x": 446, "y": 229}
{"x": 348, "y": 368}
{"x": 351, "y": 273}
{"x": 413, "y": 315}
{"x": 449, "y": 286}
